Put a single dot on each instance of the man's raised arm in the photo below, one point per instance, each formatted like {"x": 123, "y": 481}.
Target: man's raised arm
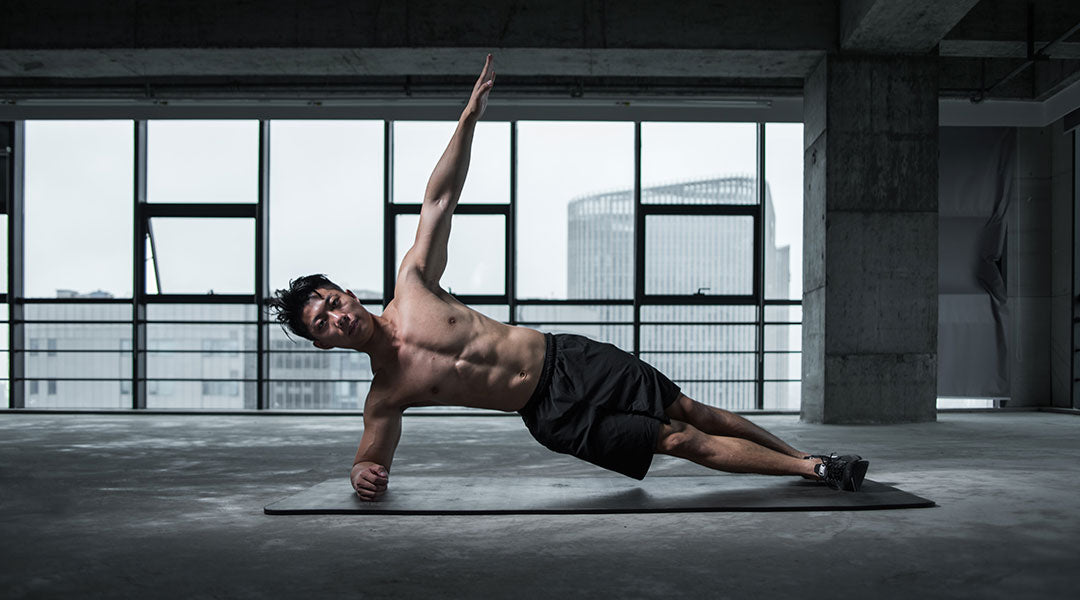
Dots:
{"x": 428, "y": 253}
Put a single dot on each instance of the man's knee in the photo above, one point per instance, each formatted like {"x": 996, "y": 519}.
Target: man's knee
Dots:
{"x": 675, "y": 439}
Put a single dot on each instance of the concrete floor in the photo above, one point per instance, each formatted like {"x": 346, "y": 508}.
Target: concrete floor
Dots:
{"x": 158, "y": 506}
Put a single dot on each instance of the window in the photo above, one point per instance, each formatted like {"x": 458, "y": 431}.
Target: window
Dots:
{"x": 326, "y": 203}
{"x": 698, "y": 163}
{"x": 699, "y": 255}
{"x": 78, "y": 178}
{"x": 210, "y": 162}
{"x": 783, "y": 210}
{"x": 575, "y": 213}
{"x": 201, "y": 256}
{"x": 418, "y": 145}
{"x": 696, "y": 266}
{"x": 476, "y": 258}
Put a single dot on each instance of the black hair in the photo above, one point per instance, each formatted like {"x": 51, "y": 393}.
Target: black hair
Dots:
{"x": 289, "y": 304}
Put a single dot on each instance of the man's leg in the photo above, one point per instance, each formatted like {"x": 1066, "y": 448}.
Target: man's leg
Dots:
{"x": 731, "y": 454}
{"x": 717, "y": 421}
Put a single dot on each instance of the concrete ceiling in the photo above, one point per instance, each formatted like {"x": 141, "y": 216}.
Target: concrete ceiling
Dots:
{"x": 567, "y": 48}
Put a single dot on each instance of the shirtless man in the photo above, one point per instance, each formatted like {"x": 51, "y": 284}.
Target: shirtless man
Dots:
{"x": 576, "y": 396}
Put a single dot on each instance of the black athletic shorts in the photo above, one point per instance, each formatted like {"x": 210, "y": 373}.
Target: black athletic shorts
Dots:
{"x": 598, "y": 403}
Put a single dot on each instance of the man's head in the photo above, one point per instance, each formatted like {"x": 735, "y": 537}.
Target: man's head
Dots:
{"x": 317, "y": 309}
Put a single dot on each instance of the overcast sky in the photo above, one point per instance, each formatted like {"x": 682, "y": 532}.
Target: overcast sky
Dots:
{"x": 326, "y": 194}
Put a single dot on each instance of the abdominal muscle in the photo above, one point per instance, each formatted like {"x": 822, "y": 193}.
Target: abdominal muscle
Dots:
{"x": 451, "y": 355}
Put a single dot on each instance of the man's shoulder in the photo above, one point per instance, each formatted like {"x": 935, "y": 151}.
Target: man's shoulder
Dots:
{"x": 412, "y": 286}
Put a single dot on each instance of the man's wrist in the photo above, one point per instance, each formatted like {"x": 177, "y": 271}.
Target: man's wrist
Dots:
{"x": 469, "y": 116}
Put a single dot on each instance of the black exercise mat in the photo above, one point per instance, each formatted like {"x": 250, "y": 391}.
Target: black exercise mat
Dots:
{"x": 424, "y": 495}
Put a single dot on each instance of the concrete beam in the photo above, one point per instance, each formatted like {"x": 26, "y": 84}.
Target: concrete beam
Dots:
{"x": 705, "y": 24}
{"x": 328, "y": 62}
{"x": 898, "y": 26}
{"x": 1004, "y": 49}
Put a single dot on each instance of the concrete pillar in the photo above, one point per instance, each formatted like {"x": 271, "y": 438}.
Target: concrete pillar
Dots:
{"x": 870, "y": 229}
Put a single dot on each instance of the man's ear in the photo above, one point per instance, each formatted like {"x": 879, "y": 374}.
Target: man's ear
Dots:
{"x": 320, "y": 345}
{"x": 349, "y": 292}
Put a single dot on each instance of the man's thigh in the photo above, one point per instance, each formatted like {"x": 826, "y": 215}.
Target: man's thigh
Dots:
{"x": 682, "y": 409}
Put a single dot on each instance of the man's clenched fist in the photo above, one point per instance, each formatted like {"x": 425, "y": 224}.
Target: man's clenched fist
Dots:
{"x": 369, "y": 480}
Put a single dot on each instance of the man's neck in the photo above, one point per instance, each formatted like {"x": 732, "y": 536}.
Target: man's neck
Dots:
{"x": 382, "y": 346}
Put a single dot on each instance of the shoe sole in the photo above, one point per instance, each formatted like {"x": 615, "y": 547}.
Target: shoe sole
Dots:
{"x": 854, "y": 474}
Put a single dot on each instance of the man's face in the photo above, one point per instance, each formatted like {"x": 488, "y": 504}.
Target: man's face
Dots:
{"x": 336, "y": 319}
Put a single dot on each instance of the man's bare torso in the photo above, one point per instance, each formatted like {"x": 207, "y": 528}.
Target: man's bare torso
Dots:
{"x": 448, "y": 354}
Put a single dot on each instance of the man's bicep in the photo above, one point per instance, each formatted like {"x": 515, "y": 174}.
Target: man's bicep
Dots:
{"x": 428, "y": 252}
{"x": 382, "y": 431}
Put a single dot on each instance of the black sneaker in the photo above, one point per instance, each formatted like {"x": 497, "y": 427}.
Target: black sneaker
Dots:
{"x": 842, "y": 472}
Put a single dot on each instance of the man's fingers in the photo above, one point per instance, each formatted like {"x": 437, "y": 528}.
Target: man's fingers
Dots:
{"x": 370, "y": 494}
{"x": 486, "y": 72}
{"x": 373, "y": 478}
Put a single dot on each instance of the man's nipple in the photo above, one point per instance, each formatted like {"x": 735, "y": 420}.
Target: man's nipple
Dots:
{"x": 452, "y": 320}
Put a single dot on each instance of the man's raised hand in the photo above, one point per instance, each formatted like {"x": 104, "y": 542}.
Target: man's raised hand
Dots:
{"x": 370, "y": 481}
{"x": 478, "y": 100}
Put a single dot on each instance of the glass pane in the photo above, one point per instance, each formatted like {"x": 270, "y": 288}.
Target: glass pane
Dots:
{"x": 202, "y": 340}
{"x": 5, "y": 396}
{"x": 727, "y": 314}
{"x": 79, "y": 182}
{"x": 783, "y": 337}
{"x": 418, "y": 145}
{"x": 783, "y": 210}
{"x": 786, "y": 365}
{"x": 783, "y": 314}
{"x": 575, "y": 231}
{"x": 202, "y": 161}
{"x": 574, "y": 314}
{"x": 78, "y": 312}
{"x": 3, "y": 253}
{"x": 711, "y": 255}
{"x": 476, "y": 258}
{"x": 78, "y": 394}
{"x": 87, "y": 365}
{"x": 699, "y": 163}
{"x": 323, "y": 365}
{"x": 697, "y": 338}
{"x": 41, "y": 337}
{"x": 217, "y": 395}
{"x": 318, "y": 395}
{"x": 710, "y": 366}
{"x": 201, "y": 312}
{"x": 326, "y": 203}
{"x": 213, "y": 363}
{"x": 782, "y": 395}
{"x": 729, "y": 396}
{"x": 201, "y": 256}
